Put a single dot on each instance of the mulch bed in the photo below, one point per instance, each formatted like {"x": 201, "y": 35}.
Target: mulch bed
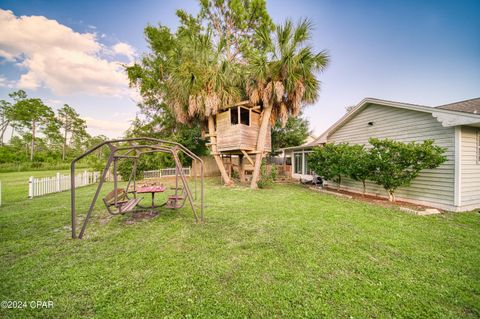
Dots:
{"x": 376, "y": 199}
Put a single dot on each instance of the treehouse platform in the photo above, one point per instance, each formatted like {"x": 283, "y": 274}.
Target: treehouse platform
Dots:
{"x": 237, "y": 130}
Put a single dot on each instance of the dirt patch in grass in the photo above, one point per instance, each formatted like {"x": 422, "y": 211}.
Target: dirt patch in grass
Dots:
{"x": 141, "y": 216}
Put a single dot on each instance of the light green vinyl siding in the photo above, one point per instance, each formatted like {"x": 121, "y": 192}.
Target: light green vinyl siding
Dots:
{"x": 434, "y": 186}
{"x": 470, "y": 167}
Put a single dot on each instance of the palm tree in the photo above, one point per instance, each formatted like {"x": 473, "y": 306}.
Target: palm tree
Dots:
{"x": 282, "y": 77}
{"x": 200, "y": 83}
{"x": 188, "y": 71}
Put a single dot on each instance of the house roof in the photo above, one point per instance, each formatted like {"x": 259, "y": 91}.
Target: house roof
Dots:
{"x": 313, "y": 138}
{"x": 467, "y": 106}
{"x": 446, "y": 117}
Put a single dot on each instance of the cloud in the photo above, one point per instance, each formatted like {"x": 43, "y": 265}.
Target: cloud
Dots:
{"x": 125, "y": 49}
{"x": 4, "y": 83}
{"x": 54, "y": 102}
{"x": 56, "y": 57}
{"x": 117, "y": 127}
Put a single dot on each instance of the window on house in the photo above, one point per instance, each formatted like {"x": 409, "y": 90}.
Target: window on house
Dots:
{"x": 234, "y": 115}
{"x": 305, "y": 165}
{"x": 298, "y": 159}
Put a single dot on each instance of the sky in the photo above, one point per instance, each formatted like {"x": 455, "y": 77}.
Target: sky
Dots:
{"x": 72, "y": 52}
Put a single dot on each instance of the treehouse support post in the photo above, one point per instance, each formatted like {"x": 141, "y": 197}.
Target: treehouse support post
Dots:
{"x": 241, "y": 169}
{"x": 213, "y": 143}
{"x": 262, "y": 136}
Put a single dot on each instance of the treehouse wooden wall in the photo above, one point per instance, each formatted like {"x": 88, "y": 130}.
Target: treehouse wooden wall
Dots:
{"x": 231, "y": 138}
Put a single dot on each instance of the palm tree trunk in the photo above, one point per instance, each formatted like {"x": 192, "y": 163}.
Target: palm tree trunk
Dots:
{"x": 216, "y": 155}
{"x": 262, "y": 136}
{"x": 32, "y": 148}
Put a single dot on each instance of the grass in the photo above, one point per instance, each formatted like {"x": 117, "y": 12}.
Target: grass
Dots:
{"x": 284, "y": 252}
{"x": 15, "y": 185}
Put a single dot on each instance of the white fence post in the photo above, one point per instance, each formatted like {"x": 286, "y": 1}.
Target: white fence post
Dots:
{"x": 165, "y": 172}
{"x": 30, "y": 187}
{"x": 58, "y": 181}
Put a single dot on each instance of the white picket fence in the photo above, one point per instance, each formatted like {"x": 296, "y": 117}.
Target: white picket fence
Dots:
{"x": 165, "y": 172}
{"x": 59, "y": 183}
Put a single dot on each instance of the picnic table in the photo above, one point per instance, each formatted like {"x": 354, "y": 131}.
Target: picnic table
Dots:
{"x": 153, "y": 190}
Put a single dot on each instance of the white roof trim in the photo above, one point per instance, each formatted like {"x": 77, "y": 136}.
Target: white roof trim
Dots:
{"x": 448, "y": 118}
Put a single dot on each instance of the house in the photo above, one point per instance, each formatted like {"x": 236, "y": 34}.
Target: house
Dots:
{"x": 453, "y": 186}
{"x": 285, "y": 155}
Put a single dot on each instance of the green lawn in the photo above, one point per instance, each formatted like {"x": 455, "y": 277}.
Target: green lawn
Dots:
{"x": 284, "y": 252}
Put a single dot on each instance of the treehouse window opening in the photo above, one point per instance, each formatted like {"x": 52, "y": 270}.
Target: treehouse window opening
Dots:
{"x": 239, "y": 115}
{"x": 234, "y": 115}
{"x": 244, "y": 116}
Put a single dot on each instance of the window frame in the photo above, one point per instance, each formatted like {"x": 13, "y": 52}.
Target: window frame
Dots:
{"x": 305, "y": 163}
{"x": 239, "y": 116}
{"x": 230, "y": 115}
{"x": 297, "y": 162}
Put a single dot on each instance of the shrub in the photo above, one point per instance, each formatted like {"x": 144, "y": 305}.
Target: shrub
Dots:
{"x": 360, "y": 166}
{"x": 125, "y": 167}
{"x": 331, "y": 161}
{"x": 266, "y": 177}
{"x": 396, "y": 164}
{"x": 388, "y": 163}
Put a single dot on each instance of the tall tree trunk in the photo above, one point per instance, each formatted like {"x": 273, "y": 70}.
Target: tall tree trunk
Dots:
{"x": 2, "y": 133}
{"x": 262, "y": 136}
{"x": 213, "y": 141}
{"x": 64, "y": 145}
{"x": 32, "y": 148}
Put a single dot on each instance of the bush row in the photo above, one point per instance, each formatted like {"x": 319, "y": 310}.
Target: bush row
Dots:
{"x": 386, "y": 162}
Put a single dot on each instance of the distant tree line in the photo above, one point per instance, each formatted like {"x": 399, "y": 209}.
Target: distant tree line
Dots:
{"x": 39, "y": 134}
{"x": 42, "y": 138}
{"x": 386, "y": 162}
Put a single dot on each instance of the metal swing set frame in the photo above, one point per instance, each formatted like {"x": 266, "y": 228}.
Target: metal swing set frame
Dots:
{"x": 133, "y": 148}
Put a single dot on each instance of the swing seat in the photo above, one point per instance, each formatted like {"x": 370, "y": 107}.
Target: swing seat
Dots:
{"x": 121, "y": 197}
{"x": 175, "y": 202}
{"x": 130, "y": 205}
{"x": 123, "y": 203}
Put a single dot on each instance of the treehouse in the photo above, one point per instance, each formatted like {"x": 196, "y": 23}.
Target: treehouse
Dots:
{"x": 237, "y": 130}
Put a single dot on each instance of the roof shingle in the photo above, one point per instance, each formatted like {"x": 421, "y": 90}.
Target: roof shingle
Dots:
{"x": 467, "y": 106}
